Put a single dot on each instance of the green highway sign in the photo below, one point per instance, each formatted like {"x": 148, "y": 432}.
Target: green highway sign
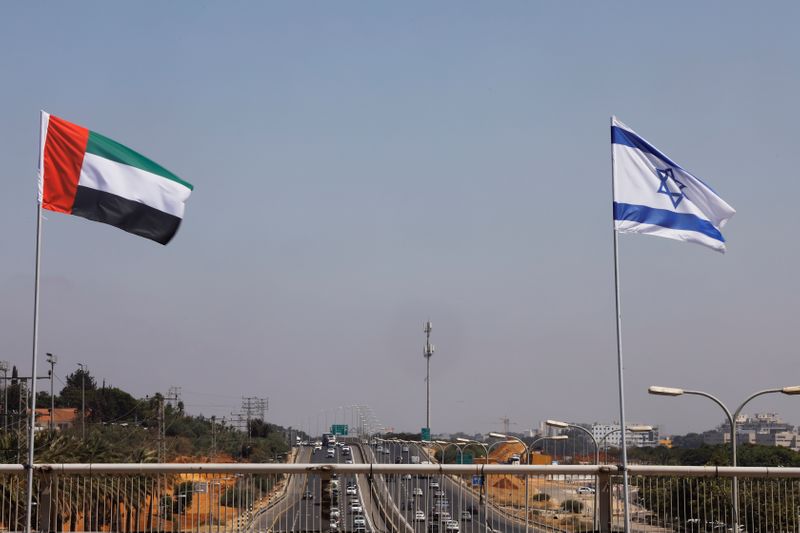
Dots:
{"x": 339, "y": 429}
{"x": 426, "y": 433}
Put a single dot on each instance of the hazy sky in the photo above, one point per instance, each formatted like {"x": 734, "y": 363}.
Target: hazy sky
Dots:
{"x": 360, "y": 167}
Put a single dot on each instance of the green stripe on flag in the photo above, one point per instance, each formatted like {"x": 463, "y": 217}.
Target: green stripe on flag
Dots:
{"x": 102, "y": 146}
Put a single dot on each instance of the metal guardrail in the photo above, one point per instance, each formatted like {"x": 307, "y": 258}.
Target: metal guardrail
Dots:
{"x": 260, "y": 498}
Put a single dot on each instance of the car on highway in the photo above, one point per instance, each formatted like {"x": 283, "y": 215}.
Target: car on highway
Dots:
{"x": 406, "y": 477}
{"x": 417, "y": 491}
{"x": 585, "y": 490}
{"x": 466, "y": 516}
{"x": 356, "y": 508}
{"x": 316, "y": 449}
{"x": 359, "y": 520}
{"x": 331, "y": 452}
{"x": 451, "y": 525}
{"x": 348, "y": 461}
{"x": 419, "y": 516}
{"x": 351, "y": 490}
{"x": 308, "y": 495}
{"x": 433, "y": 484}
{"x": 335, "y": 513}
{"x": 334, "y": 525}
{"x": 439, "y": 493}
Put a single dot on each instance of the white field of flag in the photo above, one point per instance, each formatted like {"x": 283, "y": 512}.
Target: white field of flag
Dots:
{"x": 654, "y": 195}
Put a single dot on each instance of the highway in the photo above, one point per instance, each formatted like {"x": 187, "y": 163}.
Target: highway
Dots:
{"x": 423, "y": 500}
{"x": 425, "y": 504}
{"x": 300, "y": 509}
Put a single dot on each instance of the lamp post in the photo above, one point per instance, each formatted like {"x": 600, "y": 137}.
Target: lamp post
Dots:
{"x": 83, "y": 400}
{"x": 52, "y": 359}
{"x": 483, "y": 493}
{"x": 528, "y": 450}
{"x": 4, "y": 370}
{"x": 438, "y": 445}
{"x": 469, "y": 442}
{"x": 446, "y": 445}
{"x": 629, "y": 429}
{"x": 672, "y": 391}
{"x": 564, "y": 425}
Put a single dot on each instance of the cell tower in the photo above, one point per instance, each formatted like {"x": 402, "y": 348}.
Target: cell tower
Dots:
{"x": 427, "y": 352}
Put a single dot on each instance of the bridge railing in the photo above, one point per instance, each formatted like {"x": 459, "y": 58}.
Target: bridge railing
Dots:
{"x": 216, "y": 498}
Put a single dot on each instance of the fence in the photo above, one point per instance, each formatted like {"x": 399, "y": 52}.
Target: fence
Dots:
{"x": 261, "y": 498}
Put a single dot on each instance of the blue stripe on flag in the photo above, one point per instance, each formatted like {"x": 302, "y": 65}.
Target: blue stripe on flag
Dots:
{"x": 628, "y": 138}
{"x": 666, "y": 219}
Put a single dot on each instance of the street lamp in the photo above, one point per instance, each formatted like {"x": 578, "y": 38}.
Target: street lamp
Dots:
{"x": 4, "y": 370}
{"x": 673, "y": 391}
{"x": 484, "y": 489}
{"x": 629, "y": 429}
{"x": 83, "y": 400}
{"x": 446, "y": 445}
{"x": 564, "y": 425}
{"x": 528, "y": 450}
{"x": 52, "y": 359}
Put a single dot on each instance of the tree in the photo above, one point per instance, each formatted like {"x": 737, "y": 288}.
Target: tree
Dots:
{"x": 572, "y": 506}
{"x": 70, "y": 395}
{"x": 110, "y": 404}
{"x": 17, "y": 394}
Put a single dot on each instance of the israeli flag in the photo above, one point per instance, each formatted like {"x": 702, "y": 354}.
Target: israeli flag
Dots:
{"x": 655, "y": 196}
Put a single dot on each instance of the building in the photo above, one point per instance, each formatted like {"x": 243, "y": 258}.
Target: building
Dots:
{"x": 63, "y": 418}
{"x": 609, "y": 435}
{"x": 763, "y": 428}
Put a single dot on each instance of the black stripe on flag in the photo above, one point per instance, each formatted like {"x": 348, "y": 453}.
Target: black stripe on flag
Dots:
{"x": 133, "y": 217}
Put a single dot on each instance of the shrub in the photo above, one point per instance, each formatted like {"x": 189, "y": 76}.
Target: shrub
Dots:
{"x": 572, "y": 506}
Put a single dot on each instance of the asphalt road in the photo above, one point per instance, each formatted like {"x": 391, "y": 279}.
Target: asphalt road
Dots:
{"x": 297, "y": 512}
{"x": 464, "y": 505}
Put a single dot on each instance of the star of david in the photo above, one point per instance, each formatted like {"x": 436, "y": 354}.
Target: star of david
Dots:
{"x": 663, "y": 188}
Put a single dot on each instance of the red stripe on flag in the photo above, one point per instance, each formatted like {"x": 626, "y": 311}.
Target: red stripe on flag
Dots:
{"x": 63, "y": 158}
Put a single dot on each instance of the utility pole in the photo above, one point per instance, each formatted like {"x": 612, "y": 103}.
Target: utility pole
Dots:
{"x": 213, "y": 437}
{"x": 427, "y": 352}
{"x": 173, "y": 395}
{"x": 253, "y": 408}
{"x": 83, "y": 401}
{"x": 52, "y": 359}
{"x": 4, "y": 370}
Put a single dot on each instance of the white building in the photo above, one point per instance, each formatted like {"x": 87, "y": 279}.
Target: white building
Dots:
{"x": 762, "y": 428}
{"x": 610, "y": 435}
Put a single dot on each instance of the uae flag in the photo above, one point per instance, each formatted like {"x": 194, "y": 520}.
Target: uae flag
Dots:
{"x": 86, "y": 174}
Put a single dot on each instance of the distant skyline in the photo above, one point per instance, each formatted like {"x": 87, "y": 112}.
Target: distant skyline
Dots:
{"x": 362, "y": 168}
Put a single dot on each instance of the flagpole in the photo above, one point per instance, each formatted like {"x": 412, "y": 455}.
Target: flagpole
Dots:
{"x": 625, "y": 487}
{"x": 32, "y": 428}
